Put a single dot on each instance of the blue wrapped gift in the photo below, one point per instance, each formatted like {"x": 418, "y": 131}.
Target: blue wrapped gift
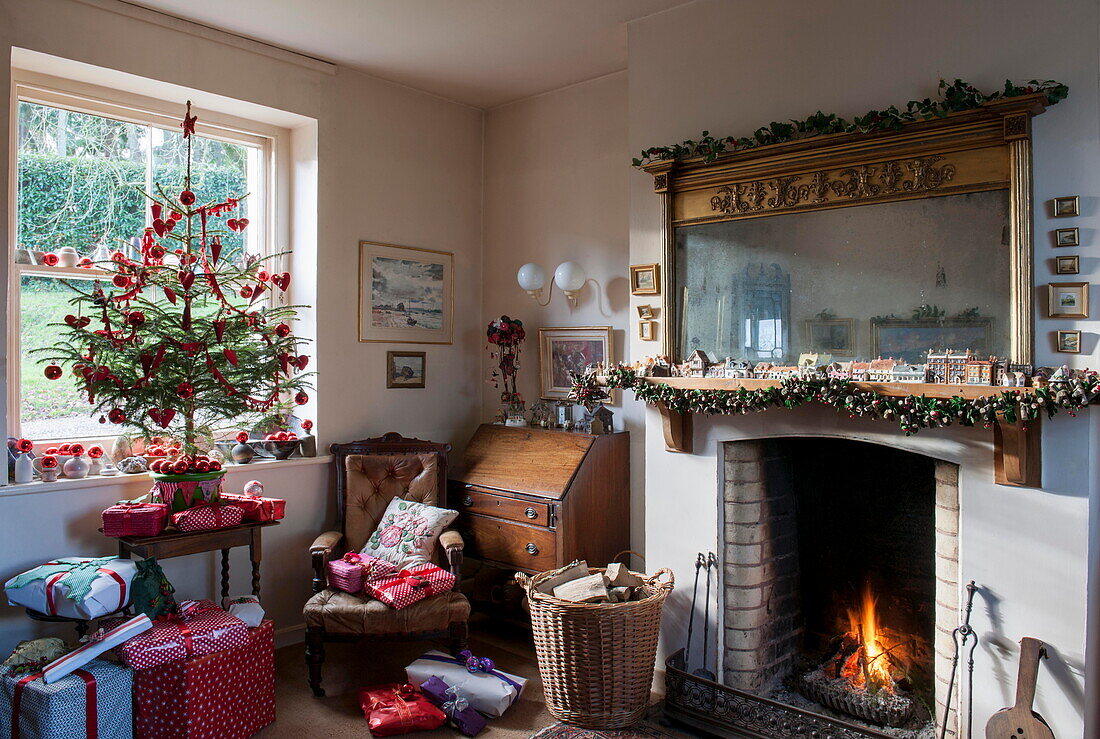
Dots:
{"x": 93, "y": 701}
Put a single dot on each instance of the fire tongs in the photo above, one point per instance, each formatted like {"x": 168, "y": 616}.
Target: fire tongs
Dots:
{"x": 964, "y": 631}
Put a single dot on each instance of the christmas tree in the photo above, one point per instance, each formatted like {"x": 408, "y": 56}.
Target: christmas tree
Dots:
{"x": 177, "y": 339}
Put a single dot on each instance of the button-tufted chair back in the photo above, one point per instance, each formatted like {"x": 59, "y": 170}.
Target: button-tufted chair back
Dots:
{"x": 370, "y": 472}
{"x": 374, "y": 480}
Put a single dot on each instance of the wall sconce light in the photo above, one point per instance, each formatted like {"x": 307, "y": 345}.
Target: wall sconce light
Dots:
{"x": 569, "y": 277}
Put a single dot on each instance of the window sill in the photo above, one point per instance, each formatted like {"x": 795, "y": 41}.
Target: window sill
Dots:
{"x": 140, "y": 481}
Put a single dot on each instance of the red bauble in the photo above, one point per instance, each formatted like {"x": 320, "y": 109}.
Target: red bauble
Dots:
{"x": 301, "y": 398}
{"x": 136, "y": 318}
{"x": 263, "y": 275}
{"x": 179, "y": 467}
{"x": 282, "y": 330}
{"x": 215, "y": 465}
{"x": 202, "y": 466}
{"x": 185, "y": 390}
{"x": 53, "y": 372}
{"x": 121, "y": 281}
{"x": 242, "y": 437}
{"x": 246, "y": 292}
{"x": 50, "y": 260}
{"x": 187, "y": 198}
{"x": 115, "y": 415}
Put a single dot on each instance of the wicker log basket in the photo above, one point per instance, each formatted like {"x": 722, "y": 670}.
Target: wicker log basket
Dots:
{"x": 596, "y": 660}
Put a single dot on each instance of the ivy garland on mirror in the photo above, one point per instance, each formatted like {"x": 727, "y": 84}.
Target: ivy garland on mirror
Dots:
{"x": 955, "y": 97}
{"x": 912, "y": 412}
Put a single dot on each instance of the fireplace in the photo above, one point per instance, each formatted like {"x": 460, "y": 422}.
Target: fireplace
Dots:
{"x": 840, "y": 590}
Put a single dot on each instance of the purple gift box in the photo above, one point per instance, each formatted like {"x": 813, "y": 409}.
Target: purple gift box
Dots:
{"x": 459, "y": 712}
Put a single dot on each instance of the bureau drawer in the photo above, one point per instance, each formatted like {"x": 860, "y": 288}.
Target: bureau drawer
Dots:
{"x": 523, "y": 547}
{"x": 472, "y": 500}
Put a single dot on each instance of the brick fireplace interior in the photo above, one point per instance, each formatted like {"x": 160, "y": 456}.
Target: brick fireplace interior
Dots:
{"x": 804, "y": 545}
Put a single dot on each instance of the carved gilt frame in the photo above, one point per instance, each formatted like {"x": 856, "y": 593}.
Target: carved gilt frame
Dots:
{"x": 984, "y": 149}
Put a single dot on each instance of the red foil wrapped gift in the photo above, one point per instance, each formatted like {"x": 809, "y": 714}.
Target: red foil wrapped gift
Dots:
{"x": 410, "y": 585}
{"x": 205, "y": 516}
{"x": 399, "y": 709}
{"x": 135, "y": 519}
{"x": 199, "y": 627}
{"x": 224, "y": 695}
{"x": 257, "y": 509}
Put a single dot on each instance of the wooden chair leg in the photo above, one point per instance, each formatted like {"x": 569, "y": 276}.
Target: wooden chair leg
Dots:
{"x": 315, "y": 657}
{"x": 459, "y": 631}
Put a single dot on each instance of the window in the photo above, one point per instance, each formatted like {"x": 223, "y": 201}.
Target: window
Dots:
{"x": 81, "y": 163}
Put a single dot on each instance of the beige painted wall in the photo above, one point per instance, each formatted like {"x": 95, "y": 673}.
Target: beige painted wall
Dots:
{"x": 394, "y": 165}
{"x": 555, "y": 190}
{"x": 731, "y": 67}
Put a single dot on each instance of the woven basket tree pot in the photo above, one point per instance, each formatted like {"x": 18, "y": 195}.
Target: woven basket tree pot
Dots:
{"x": 181, "y": 492}
{"x": 596, "y": 660}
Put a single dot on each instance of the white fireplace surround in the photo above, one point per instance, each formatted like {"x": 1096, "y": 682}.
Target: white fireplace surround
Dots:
{"x": 1026, "y": 548}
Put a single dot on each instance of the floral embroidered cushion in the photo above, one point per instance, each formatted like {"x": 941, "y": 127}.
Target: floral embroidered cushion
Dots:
{"x": 407, "y": 532}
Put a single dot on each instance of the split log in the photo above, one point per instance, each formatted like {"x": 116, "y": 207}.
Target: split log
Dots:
{"x": 618, "y": 575}
{"x": 583, "y": 590}
{"x": 571, "y": 572}
{"x": 620, "y": 594}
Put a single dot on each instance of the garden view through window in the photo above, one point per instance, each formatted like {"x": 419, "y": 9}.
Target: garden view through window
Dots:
{"x": 79, "y": 184}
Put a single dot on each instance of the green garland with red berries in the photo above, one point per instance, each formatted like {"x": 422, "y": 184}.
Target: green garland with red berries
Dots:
{"x": 911, "y": 412}
{"x": 955, "y": 97}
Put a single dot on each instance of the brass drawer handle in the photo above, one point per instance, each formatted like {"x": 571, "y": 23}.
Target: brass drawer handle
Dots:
{"x": 531, "y": 513}
{"x": 532, "y": 549}
{"x": 468, "y": 500}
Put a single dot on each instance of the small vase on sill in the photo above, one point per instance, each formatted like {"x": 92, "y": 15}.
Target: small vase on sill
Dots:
{"x": 76, "y": 468}
{"x": 95, "y": 466}
{"x": 24, "y": 469}
{"x": 49, "y": 474}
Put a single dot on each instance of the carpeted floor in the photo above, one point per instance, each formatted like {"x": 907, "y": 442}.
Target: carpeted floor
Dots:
{"x": 349, "y": 667}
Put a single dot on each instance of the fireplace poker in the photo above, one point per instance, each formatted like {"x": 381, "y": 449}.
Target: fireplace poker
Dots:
{"x": 965, "y": 631}
{"x": 709, "y": 562}
{"x": 700, "y": 562}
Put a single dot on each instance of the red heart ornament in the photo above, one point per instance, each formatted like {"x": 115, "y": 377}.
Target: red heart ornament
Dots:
{"x": 166, "y": 416}
{"x": 77, "y": 322}
{"x": 302, "y": 362}
{"x": 281, "y": 281}
{"x": 242, "y": 224}
{"x": 160, "y": 226}
{"x": 187, "y": 278}
{"x": 233, "y": 224}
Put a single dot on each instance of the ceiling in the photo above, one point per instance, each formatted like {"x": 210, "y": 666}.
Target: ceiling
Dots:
{"x": 484, "y": 53}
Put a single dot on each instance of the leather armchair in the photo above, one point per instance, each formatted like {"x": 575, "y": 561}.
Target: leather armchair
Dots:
{"x": 369, "y": 473}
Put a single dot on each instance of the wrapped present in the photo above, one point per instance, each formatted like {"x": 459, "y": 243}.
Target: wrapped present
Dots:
{"x": 354, "y": 569}
{"x": 152, "y": 591}
{"x": 398, "y": 709}
{"x": 256, "y": 508}
{"x": 486, "y": 688}
{"x": 74, "y": 587}
{"x": 94, "y": 645}
{"x": 183, "y": 494}
{"x": 407, "y": 586}
{"x": 93, "y": 701}
{"x": 245, "y": 607}
{"x": 206, "y": 516}
{"x": 224, "y": 695}
{"x": 135, "y": 519}
{"x": 197, "y": 628}
{"x": 460, "y": 714}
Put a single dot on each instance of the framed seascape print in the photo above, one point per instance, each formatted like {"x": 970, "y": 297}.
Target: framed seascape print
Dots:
{"x": 406, "y": 295}
{"x": 1067, "y": 265}
{"x": 1067, "y": 237}
{"x": 832, "y": 335}
{"x": 405, "y": 369}
{"x": 1069, "y": 342}
{"x": 570, "y": 350}
{"x": 1067, "y": 206}
{"x": 1068, "y": 300}
{"x": 645, "y": 279}
{"x": 911, "y": 340}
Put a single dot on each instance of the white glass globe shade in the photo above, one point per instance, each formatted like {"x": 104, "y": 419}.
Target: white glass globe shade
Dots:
{"x": 531, "y": 277}
{"x": 570, "y": 276}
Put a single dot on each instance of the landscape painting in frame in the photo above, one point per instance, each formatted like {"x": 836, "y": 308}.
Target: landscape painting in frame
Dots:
{"x": 405, "y": 294}
{"x": 566, "y": 350}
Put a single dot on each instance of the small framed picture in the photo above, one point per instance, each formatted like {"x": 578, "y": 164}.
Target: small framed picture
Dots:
{"x": 645, "y": 279}
{"x": 645, "y": 312}
{"x": 1067, "y": 237}
{"x": 405, "y": 369}
{"x": 647, "y": 330}
{"x": 1069, "y": 342}
{"x": 1067, "y": 206}
{"x": 1068, "y": 300}
{"x": 1067, "y": 265}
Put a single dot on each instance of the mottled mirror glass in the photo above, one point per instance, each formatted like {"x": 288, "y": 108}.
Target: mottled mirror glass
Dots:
{"x": 891, "y": 280}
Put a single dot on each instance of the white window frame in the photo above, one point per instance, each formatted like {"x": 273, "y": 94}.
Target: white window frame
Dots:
{"x": 272, "y": 229}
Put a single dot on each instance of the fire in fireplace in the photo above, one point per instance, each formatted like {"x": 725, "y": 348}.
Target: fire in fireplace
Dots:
{"x": 867, "y": 672}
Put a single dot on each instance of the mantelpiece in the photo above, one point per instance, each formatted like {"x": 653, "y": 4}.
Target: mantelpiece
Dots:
{"x": 980, "y": 150}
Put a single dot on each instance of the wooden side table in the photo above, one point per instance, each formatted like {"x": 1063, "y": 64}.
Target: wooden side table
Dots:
{"x": 178, "y": 544}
